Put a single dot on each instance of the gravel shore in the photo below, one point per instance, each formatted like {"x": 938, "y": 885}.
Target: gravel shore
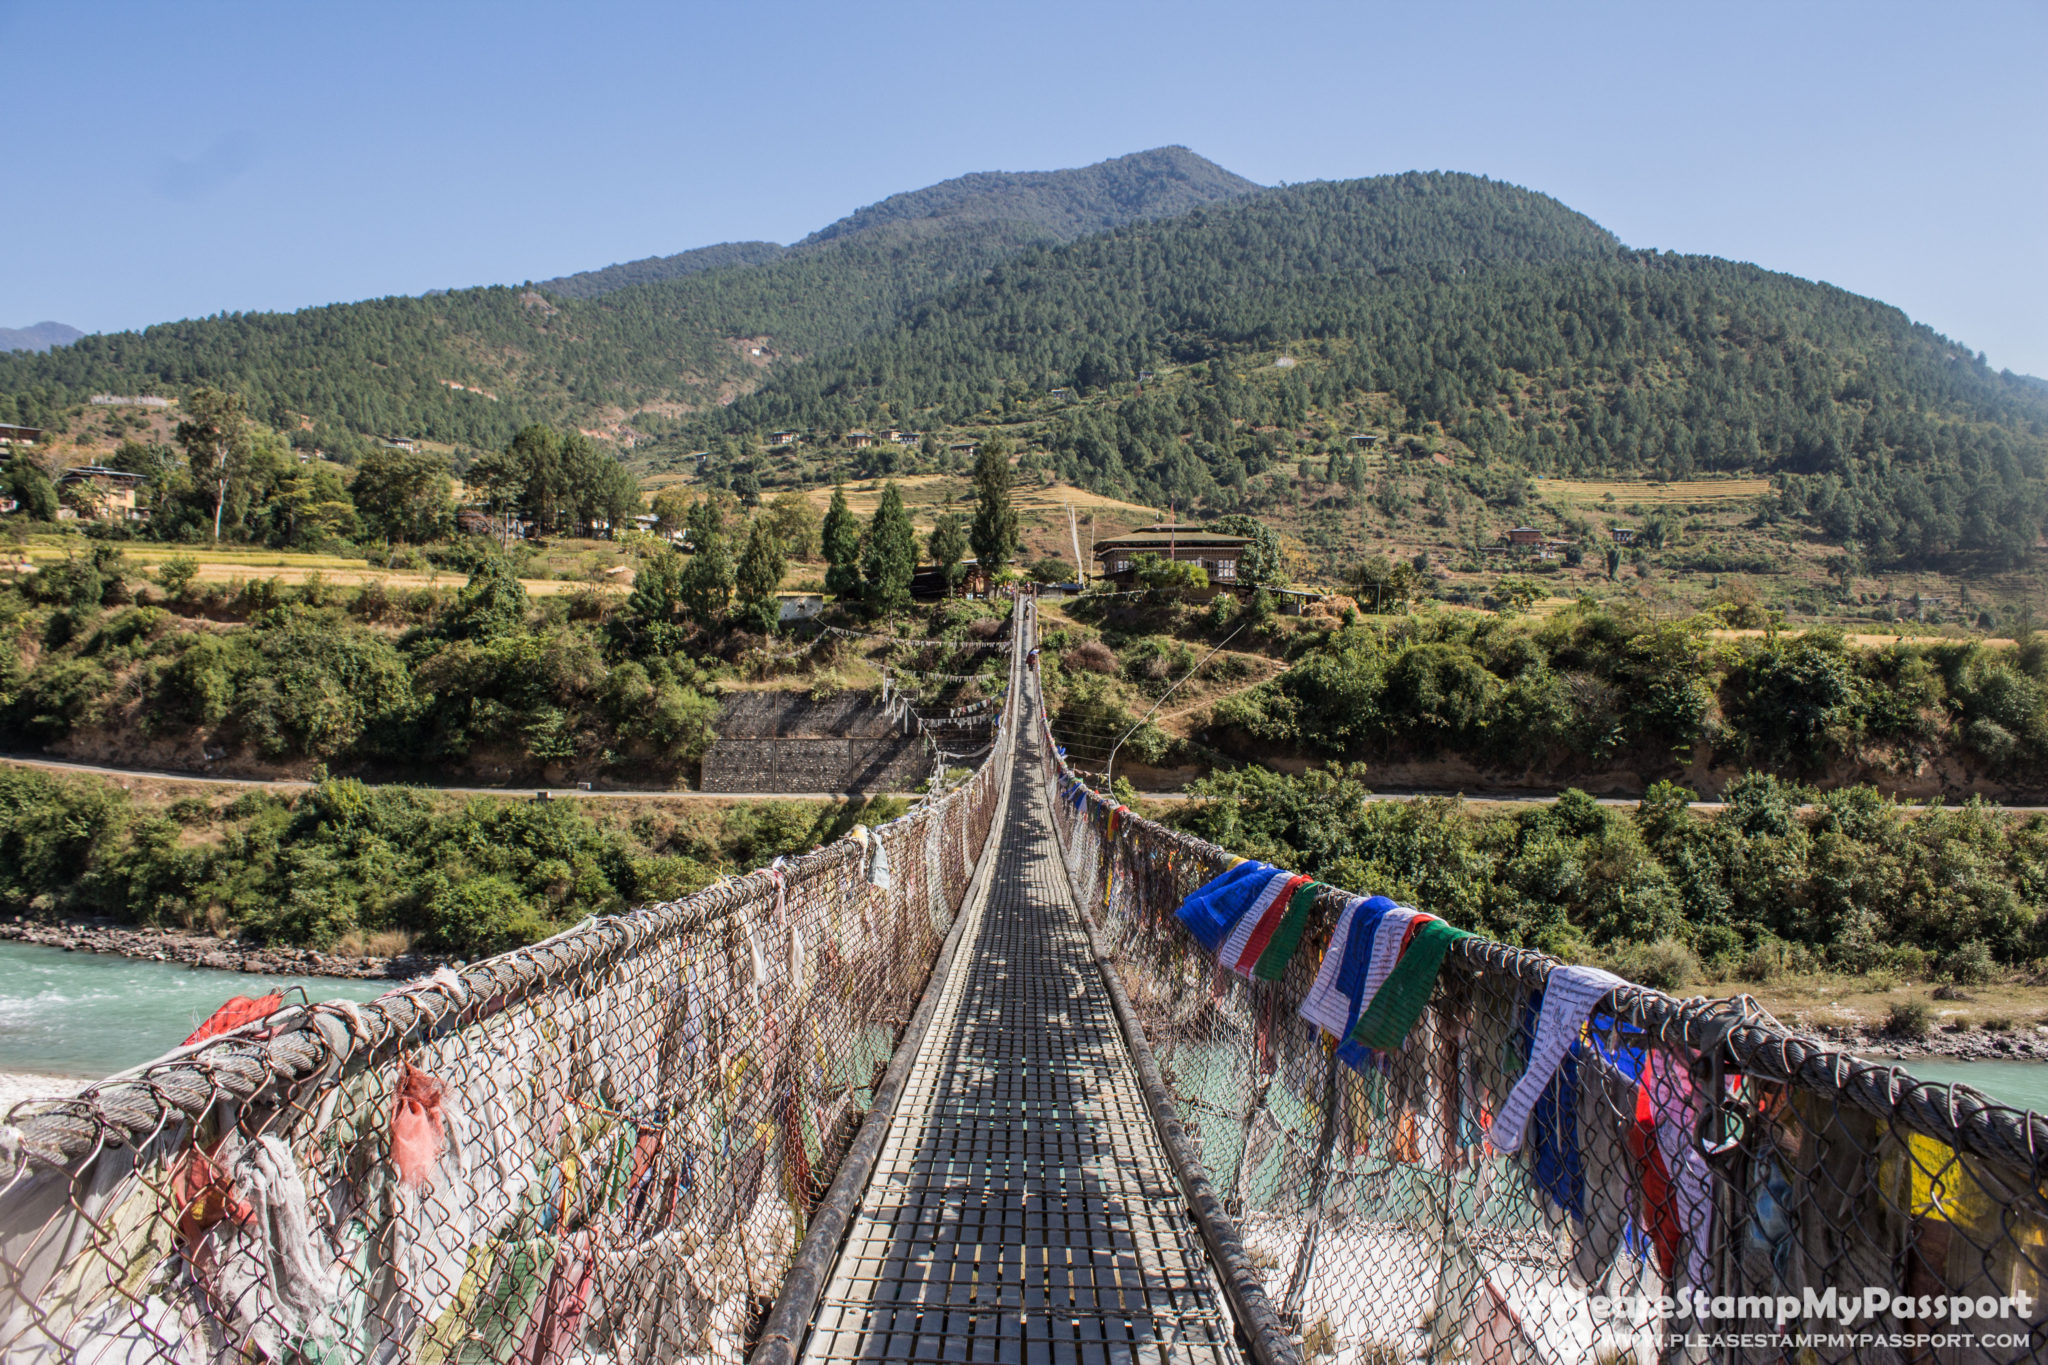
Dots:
{"x": 16, "y": 1086}
{"x": 2029, "y": 1044}
{"x": 205, "y": 950}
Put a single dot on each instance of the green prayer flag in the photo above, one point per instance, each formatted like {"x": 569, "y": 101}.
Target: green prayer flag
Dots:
{"x": 1393, "y": 1012}
{"x": 1280, "y": 948}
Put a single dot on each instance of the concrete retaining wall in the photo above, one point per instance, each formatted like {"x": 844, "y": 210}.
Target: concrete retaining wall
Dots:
{"x": 785, "y": 742}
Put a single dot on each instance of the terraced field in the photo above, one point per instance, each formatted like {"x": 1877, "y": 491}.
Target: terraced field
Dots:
{"x": 1683, "y": 493}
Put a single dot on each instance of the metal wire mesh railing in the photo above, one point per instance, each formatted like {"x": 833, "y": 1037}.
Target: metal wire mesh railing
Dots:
{"x": 604, "y": 1147}
{"x": 1509, "y": 1159}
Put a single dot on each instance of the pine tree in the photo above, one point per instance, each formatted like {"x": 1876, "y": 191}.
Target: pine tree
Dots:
{"x": 841, "y": 537}
{"x": 707, "y": 580}
{"x": 650, "y": 624}
{"x": 994, "y": 533}
{"x": 889, "y": 556}
{"x": 760, "y": 574}
{"x": 948, "y": 546}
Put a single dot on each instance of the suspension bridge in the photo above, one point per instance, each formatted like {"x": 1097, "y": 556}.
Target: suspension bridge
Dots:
{"x": 1021, "y": 1077}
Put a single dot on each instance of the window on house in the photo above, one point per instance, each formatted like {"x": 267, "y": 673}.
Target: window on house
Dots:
{"x": 1226, "y": 568}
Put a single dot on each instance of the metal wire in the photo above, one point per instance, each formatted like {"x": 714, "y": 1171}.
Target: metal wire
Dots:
{"x": 607, "y": 1147}
{"x": 1697, "y": 1182}
{"x": 602, "y": 1147}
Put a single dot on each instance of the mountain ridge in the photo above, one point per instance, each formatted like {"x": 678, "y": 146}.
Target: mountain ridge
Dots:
{"x": 1075, "y": 202}
{"x": 415, "y": 365}
{"x": 590, "y": 284}
{"x": 40, "y": 336}
{"x": 1062, "y": 204}
{"x": 1436, "y": 307}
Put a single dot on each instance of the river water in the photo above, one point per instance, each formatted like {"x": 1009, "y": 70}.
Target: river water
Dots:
{"x": 91, "y": 1014}
{"x": 87, "y": 1015}
{"x": 2023, "y": 1085}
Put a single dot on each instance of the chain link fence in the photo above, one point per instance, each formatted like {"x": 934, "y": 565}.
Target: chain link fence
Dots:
{"x": 608, "y": 1147}
{"x": 1688, "y": 1181}
{"x": 604, "y": 1147}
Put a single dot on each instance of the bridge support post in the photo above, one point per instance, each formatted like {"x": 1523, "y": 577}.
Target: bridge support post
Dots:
{"x": 1319, "y": 1184}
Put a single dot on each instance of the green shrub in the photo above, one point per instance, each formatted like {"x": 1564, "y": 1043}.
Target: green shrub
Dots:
{"x": 1909, "y": 1019}
{"x": 176, "y": 574}
{"x": 1665, "y": 965}
{"x": 60, "y": 696}
{"x": 1970, "y": 964}
{"x": 482, "y": 915}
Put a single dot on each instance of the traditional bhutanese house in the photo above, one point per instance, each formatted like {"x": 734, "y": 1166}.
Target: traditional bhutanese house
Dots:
{"x": 1527, "y": 540}
{"x": 1213, "y": 552}
{"x": 1623, "y": 535}
{"x": 860, "y": 440}
{"x": 11, "y": 435}
{"x": 927, "y": 584}
{"x": 781, "y": 438}
{"x": 114, "y": 490}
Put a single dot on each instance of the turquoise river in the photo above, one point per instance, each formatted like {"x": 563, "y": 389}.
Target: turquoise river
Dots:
{"x": 87, "y": 1015}
{"x": 92, "y": 1014}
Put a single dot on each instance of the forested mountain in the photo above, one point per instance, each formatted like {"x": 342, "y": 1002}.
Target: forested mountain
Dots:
{"x": 1061, "y": 204}
{"x": 654, "y": 269}
{"x": 472, "y": 366}
{"x": 1452, "y": 309}
{"x": 1457, "y": 308}
{"x": 41, "y": 337}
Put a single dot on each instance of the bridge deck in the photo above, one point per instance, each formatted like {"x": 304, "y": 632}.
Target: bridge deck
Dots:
{"x": 1023, "y": 1209}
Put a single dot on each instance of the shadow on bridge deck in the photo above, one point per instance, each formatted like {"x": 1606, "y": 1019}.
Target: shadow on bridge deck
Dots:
{"x": 1023, "y": 1209}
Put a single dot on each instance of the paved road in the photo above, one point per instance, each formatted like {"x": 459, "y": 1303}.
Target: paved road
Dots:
{"x": 293, "y": 783}
{"x": 1519, "y": 798}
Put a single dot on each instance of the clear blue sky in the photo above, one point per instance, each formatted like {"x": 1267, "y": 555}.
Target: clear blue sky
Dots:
{"x": 165, "y": 161}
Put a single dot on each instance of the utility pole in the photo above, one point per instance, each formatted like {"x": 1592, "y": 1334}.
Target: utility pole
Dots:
{"x": 1074, "y": 533}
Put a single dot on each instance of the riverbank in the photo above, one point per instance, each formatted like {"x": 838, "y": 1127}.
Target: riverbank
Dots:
{"x": 70, "y": 1015}
{"x": 17, "y": 1087}
{"x": 2029, "y": 1044}
{"x": 195, "y": 949}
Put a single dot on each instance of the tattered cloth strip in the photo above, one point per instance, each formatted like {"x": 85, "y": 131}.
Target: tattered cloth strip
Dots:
{"x": 417, "y": 1137}
{"x": 897, "y": 640}
{"x": 1212, "y": 909}
{"x": 1400, "y": 1002}
{"x": 876, "y": 863}
{"x": 239, "y": 1010}
{"x": 1568, "y": 998}
{"x": 271, "y": 1280}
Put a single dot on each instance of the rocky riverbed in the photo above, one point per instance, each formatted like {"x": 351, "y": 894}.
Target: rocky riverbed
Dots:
{"x": 205, "y": 950}
{"x": 2027, "y": 1042}
{"x": 2024, "y": 1044}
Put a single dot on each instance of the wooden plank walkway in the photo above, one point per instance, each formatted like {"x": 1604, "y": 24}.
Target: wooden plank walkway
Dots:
{"x": 1023, "y": 1210}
